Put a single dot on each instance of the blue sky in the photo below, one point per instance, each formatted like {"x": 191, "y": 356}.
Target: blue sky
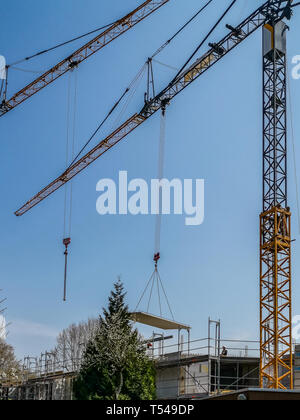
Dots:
{"x": 213, "y": 132}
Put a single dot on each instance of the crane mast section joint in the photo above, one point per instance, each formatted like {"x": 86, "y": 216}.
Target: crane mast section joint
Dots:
{"x": 105, "y": 38}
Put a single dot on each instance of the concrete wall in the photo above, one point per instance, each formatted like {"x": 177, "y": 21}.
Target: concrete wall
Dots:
{"x": 173, "y": 382}
{"x": 197, "y": 378}
{"x": 167, "y": 385}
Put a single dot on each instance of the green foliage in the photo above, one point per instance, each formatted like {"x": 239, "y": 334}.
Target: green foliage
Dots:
{"x": 140, "y": 380}
{"x": 115, "y": 364}
{"x": 9, "y": 366}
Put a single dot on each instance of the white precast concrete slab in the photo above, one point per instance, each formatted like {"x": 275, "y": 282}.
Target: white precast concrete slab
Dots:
{"x": 157, "y": 322}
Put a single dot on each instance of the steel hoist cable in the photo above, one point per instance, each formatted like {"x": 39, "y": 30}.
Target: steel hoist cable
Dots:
{"x": 62, "y": 44}
{"x": 204, "y": 40}
{"x": 159, "y": 50}
{"x": 155, "y": 281}
{"x": 70, "y": 147}
{"x": 294, "y": 150}
{"x": 160, "y": 175}
{"x": 115, "y": 106}
{"x": 155, "y": 278}
{"x": 162, "y": 47}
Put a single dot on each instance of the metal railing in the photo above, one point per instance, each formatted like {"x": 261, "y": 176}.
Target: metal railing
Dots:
{"x": 205, "y": 347}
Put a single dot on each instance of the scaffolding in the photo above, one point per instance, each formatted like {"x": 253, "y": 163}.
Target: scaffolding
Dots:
{"x": 200, "y": 369}
{"x": 41, "y": 378}
{"x": 185, "y": 369}
{"x": 189, "y": 368}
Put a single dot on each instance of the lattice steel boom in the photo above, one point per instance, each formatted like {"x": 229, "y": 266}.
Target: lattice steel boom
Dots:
{"x": 214, "y": 55}
{"x": 276, "y": 358}
{"x": 86, "y": 51}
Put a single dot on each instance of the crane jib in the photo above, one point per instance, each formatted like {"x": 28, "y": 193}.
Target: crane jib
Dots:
{"x": 113, "y": 32}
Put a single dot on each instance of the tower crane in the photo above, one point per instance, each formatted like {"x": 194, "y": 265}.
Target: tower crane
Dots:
{"x": 276, "y": 360}
{"x": 100, "y": 41}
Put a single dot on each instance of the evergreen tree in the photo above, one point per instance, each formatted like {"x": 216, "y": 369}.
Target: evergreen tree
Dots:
{"x": 115, "y": 364}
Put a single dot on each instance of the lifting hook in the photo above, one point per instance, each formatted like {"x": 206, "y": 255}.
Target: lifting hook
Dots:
{"x": 156, "y": 258}
{"x": 66, "y": 242}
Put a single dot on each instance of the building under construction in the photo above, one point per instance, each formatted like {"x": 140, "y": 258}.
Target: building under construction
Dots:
{"x": 186, "y": 369}
{"x": 201, "y": 368}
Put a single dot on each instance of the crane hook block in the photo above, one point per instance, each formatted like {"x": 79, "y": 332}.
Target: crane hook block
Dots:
{"x": 67, "y": 242}
{"x": 156, "y": 257}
